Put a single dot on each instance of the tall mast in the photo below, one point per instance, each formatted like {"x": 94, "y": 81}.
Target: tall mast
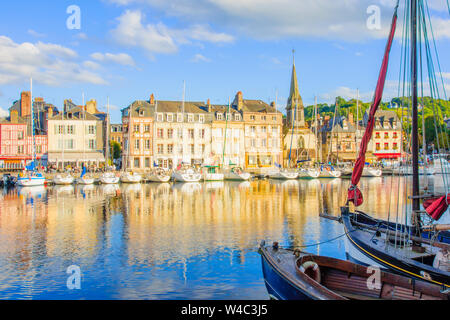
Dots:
{"x": 108, "y": 144}
{"x": 225, "y": 135}
{"x": 415, "y": 136}
{"x": 357, "y": 121}
{"x": 33, "y": 156}
{"x": 84, "y": 130}
{"x": 317, "y": 128}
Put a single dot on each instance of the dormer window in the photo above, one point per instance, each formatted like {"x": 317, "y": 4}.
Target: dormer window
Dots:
{"x": 180, "y": 117}
{"x": 141, "y": 113}
{"x": 170, "y": 117}
{"x": 219, "y": 116}
{"x": 201, "y": 118}
{"x": 237, "y": 117}
{"x": 159, "y": 117}
{"x": 190, "y": 118}
{"x": 228, "y": 116}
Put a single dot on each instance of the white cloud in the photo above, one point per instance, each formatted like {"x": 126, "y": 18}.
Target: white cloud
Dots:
{"x": 120, "y": 58}
{"x": 36, "y": 34}
{"x": 91, "y": 65}
{"x": 269, "y": 19}
{"x": 81, "y": 36}
{"x": 159, "y": 38}
{"x": 3, "y": 113}
{"x": 346, "y": 93}
{"x": 200, "y": 58}
{"x": 47, "y": 63}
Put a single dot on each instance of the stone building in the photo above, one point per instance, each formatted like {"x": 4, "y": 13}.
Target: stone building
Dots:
{"x": 227, "y": 135}
{"x": 182, "y": 133}
{"x": 263, "y": 125}
{"x": 386, "y": 140}
{"x": 75, "y": 137}
{"x": 137, "y": 127}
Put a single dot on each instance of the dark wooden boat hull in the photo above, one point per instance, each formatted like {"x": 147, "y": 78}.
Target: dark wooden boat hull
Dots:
{"x": 295, "y": 275}
{"x": 278, "y": 287}
{"x": 368, "y": 252}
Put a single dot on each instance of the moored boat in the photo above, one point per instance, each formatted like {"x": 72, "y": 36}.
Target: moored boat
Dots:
{"x": 158, "y": 175}
{"x": 237, "y": 174}
{"x": 329, "y": 172}
{"x": 212, "y": 173}
{"x": 283, "y": 174}
{"x": 372, "y": 172}
{"x": 30, "y": 179}
{"x": 63, "y": 179}
{"x": 308, "y": 173}
{"x": 130, "y": 177}
{"x": 186, "y": 174}
{"x": 296, "y": 275}
{"x": 109, "y": 178}
{"x": 85, "y": 178}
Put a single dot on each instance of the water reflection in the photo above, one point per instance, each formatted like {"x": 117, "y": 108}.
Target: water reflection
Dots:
{"x": 169, "y": 241}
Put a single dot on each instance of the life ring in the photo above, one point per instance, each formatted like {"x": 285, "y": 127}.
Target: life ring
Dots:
{"x": 312, "y": 270}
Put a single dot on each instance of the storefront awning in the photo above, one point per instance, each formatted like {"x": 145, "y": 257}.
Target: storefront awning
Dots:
{"x": 54, "y": 157}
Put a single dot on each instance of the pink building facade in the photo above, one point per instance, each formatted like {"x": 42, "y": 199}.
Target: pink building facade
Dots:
{"x": 16, "y": 147}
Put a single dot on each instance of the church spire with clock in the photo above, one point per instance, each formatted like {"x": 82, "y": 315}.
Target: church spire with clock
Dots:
{"x": 295, "y": 109}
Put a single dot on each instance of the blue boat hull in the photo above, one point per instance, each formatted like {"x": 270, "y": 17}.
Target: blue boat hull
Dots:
{"x": 279, "y": 287}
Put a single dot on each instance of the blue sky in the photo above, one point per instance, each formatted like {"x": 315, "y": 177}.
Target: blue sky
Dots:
{"x": 128, "y": 49}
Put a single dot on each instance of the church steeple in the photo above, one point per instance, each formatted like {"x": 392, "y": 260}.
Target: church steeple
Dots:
{"x": 295, "y": 108}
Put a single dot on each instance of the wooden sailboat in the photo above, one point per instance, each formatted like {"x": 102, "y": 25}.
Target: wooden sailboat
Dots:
{"x": 296, "y": 275}
{"x": 413, "y": 251}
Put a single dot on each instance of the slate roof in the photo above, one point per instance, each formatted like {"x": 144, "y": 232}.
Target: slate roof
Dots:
{"x": 77, "y": 114}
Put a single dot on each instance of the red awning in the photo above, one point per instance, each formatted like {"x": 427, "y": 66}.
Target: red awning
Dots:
{"x": 387, "y": 155}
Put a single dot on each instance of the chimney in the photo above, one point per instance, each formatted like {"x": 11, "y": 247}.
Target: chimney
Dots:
{"x": 152, "y": 99}
{"x": 209, "y": 105}
{"x": 49, "y": 112}
{"x": 14, "y": 116}
{"x": 239, "y": 101}
{"x": 25, "y": 103}
{"x": 273, "y": 105}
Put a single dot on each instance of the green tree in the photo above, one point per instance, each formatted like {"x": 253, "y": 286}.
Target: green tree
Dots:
{"x": 116, "y": 150}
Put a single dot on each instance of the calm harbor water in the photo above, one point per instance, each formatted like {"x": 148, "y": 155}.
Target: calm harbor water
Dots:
{"x": 169, "y": 241}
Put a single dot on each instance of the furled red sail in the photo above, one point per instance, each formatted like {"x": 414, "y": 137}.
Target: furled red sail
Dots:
{"x": 354, "y": 194}
{"x": 436, "y": 207}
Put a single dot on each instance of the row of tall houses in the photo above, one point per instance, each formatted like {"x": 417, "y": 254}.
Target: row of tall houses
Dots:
{"x": 72, "y": 137}
{"x": 246, "y": 133}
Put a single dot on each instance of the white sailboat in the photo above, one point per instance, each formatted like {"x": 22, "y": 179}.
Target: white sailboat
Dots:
{"x": 31, "y": 178}
{"x": 129, "y": 176}
{"x": 211, "y": 173}
{"x": 63, "y": 178}
{"x": 311, "y": 173}
{"x": 158, "y": 175}
{"x": 85, "y": 178}
{"x": 237, "y": 174}
{"x": 186, "y": 174}
{"x": 108, "y": 177}
{"x": 283, "y": 174}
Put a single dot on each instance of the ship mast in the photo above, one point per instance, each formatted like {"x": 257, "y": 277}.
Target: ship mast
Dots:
{"x": 415, "y": 136}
